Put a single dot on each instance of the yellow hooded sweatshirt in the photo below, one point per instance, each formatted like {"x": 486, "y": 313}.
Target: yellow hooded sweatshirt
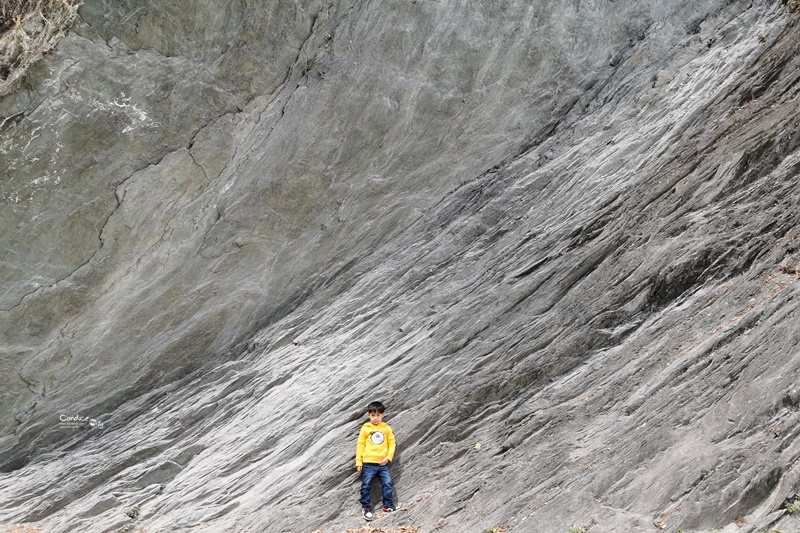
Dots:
{"x": 374, "y": 443}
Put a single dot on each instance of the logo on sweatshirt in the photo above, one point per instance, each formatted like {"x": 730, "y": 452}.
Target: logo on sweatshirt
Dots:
{"x": 376, "y": 437}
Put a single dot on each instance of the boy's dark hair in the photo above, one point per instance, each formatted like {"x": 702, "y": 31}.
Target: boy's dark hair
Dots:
{"x": 375, "y": 407}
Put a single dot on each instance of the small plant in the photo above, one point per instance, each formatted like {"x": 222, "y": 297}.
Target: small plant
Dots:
{"x": 18, "y": 33}
{"x": 28, "y": 29}
{"x": 792, "y": 503}
{"x": 495, "y": 529}
{"x": 133, "y": 513}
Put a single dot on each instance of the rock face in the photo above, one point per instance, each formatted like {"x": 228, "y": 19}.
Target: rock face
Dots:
{"x": 558, "y": 239}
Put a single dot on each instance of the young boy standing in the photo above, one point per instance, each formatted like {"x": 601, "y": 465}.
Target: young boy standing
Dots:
{"x": 374, "y": 452}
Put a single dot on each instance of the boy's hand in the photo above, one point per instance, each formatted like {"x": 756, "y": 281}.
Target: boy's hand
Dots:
{"x": 385, "y": 461}
{"x": 358, "y": 468}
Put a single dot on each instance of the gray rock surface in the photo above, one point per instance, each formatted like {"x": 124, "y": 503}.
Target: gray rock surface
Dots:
{"x": 558, "y": 239}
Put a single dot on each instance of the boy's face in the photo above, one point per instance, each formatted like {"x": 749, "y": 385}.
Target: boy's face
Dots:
{"x": 375, "y": 417}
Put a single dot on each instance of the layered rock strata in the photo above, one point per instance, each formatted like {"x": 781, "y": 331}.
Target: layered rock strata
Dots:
{"x": 558, "y": 240}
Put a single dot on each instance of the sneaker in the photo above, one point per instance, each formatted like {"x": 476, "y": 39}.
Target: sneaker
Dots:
{"x": 388, "y": 509}
{"x": 367, "y": 512}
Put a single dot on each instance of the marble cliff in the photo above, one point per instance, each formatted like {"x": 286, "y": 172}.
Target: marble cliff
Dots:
{"x": 558, "y": 239}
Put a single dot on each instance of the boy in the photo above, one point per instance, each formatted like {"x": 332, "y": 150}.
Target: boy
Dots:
{"x": 374, "y": 452}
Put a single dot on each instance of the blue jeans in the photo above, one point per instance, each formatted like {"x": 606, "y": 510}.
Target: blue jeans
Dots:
{"x": 369, "y": 471}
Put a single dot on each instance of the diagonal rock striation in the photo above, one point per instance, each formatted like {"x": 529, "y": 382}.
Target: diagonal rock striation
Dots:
{"x": 558, "y": 240}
